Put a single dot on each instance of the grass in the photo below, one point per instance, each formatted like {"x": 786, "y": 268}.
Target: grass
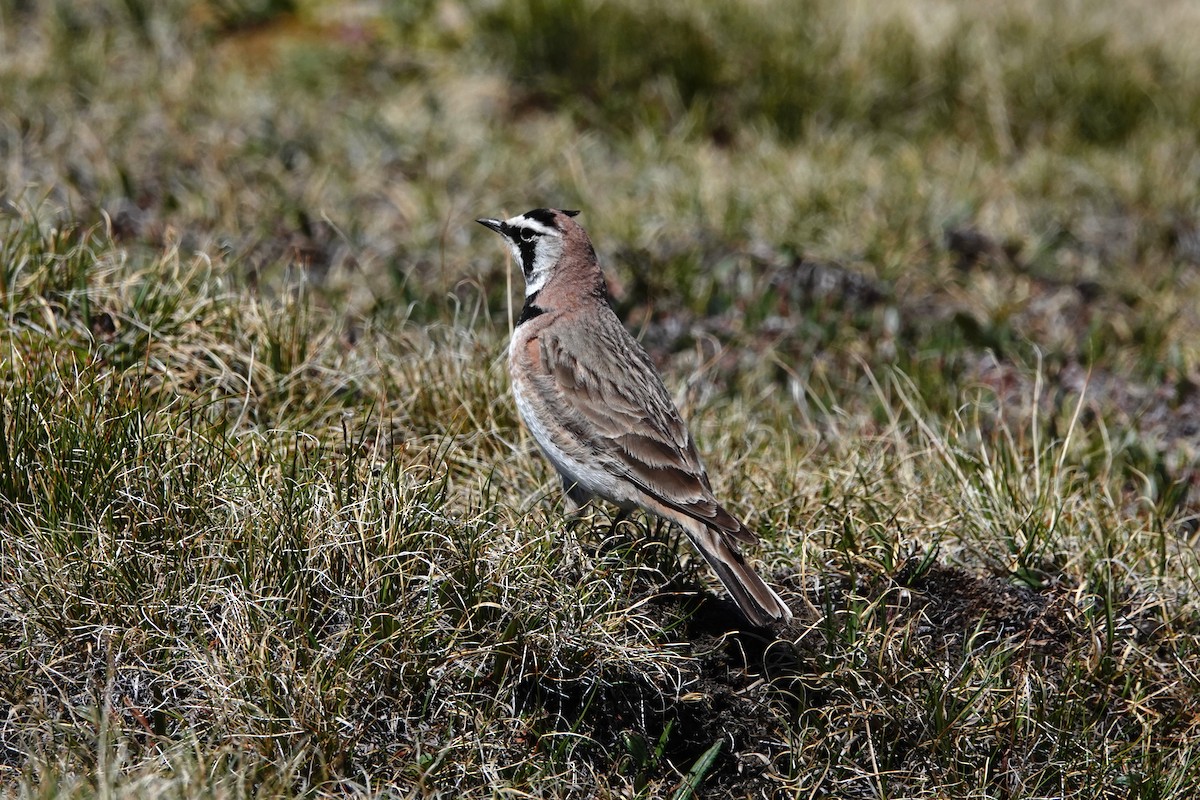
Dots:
{"x": 924, "y": 281}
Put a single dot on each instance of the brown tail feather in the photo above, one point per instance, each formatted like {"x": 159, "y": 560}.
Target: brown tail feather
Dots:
{"x": 756, "y": 600}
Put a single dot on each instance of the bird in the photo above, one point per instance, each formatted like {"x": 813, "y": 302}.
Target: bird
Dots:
{"x": 597, "y": 407}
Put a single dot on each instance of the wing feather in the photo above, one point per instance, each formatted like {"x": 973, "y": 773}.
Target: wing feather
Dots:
{"x": 612, "y": 401}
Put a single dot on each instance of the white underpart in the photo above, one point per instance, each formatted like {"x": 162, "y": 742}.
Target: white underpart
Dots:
{"x": 547, "y": 251}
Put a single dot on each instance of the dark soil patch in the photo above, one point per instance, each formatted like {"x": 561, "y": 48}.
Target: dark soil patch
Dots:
{"x": 949, "y": 604}
{"x": 753, "y": 692}
{"x": 652, "y": 732}
{"x": 746, "y": 686}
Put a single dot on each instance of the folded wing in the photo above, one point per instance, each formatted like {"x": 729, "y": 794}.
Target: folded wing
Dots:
{"x": 614, "y": 403}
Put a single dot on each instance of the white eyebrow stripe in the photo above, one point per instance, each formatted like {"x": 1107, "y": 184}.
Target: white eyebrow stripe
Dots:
{"x": 532, "y": 224}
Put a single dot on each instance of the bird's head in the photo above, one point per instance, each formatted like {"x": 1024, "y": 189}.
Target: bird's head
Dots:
{"x": 538, "y": 240}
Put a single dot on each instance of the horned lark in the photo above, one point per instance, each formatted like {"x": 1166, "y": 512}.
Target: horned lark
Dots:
{"x": 598, "y": 409}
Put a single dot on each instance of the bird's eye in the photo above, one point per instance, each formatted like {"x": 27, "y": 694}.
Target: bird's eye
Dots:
{"x": 526, "y": 235}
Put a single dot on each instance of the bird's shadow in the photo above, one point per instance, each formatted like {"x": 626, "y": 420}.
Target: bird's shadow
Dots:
{"x": 682, "y": 601}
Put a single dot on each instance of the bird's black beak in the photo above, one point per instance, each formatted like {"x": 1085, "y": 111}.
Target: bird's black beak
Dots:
{"x": 494, "y": 224}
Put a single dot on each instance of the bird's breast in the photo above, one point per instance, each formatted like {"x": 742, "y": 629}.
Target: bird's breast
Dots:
{"x": 545, "y": 413}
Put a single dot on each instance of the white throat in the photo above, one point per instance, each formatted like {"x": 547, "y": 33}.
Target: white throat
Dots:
{"x": 546, "y": 256}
